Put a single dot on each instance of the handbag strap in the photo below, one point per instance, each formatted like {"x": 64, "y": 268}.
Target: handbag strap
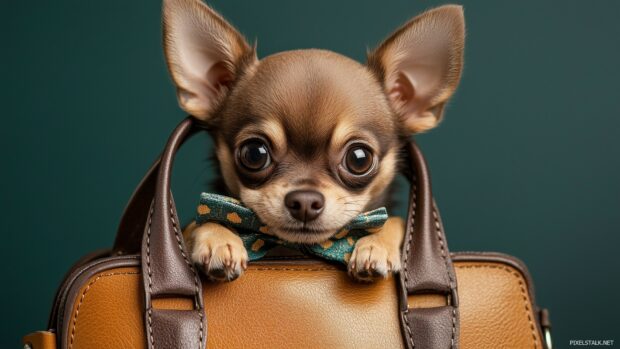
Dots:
{"x": 150, "y": 225}
{"x": 427, "y": 267}
{"x": 167, "y": 271}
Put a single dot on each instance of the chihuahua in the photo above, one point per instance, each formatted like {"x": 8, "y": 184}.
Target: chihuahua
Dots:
{"x": 309, "y": 139}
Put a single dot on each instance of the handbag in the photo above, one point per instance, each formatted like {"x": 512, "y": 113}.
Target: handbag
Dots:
{"x": 146, "y": 293}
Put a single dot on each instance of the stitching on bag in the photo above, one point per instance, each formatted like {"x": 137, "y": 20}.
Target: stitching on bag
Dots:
{"x": 191, "y": 267}
{"x": 148, "y": 264}
{"x": 441, "y": 243}
{"x": 453, "y": 327}
{"x": 409, "y": 240}
{"x": 516, "y": 275}
{"x": 151, "y": 326}
{"x": 521, "y": 286}
{"x": 445, "y": 260}
{"x": 77, "y": 310}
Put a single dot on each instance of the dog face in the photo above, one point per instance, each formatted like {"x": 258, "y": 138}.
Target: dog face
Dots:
{"x": 309, "y": 139}
{"x": 308, "y": 142}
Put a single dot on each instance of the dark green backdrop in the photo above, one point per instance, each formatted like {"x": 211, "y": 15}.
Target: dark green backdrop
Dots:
{"x": 527, "y": 161}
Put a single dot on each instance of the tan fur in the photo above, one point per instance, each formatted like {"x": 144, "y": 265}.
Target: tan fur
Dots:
{"x": 378, "y": 254}
{"x": 340, "y": 207}
{"x": 270, "y": 128}
{"x": 195, "y": 70}
{"x": 427, "y": 50}
{"x": 227, "y": 167}
{"x": 309, "y": 106}
{"x": 215, "y": 247}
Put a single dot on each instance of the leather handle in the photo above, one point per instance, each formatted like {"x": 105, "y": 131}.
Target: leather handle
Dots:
{"x": 131, "y": 226}
{"x": 167, "y": 270}
{"x": 427, "y": 264}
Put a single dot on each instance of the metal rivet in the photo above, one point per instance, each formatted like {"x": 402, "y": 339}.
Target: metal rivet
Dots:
{"x": 27, "y": 346}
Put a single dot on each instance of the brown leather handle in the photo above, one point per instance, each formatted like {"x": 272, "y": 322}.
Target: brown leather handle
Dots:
{"x": 168, "y": 272}
{"x": 131, "y": 226}
{"x": 427, "y": 266}
{"x": 166, "y": 268}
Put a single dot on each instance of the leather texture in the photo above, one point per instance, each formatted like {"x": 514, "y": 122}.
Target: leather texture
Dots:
{"x": 168, "y": 271}
{"x": 429, "y": 324}
{"x": 40, "y": 340}
{"x": 157, "y": 300}
{"x": 508, "y": 307}
{"x": 306, "y": 304}
{"x": 176, "y": 328}
{"x": 132, "y": 222}
{"x": 427, "y": 267}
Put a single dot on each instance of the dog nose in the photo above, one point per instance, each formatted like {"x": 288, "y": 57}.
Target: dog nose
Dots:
{"x": 304, "y": 205}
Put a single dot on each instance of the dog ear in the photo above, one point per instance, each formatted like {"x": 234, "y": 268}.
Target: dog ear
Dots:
{"x": 420, "y": 65}
{"x": 205, "y": 55}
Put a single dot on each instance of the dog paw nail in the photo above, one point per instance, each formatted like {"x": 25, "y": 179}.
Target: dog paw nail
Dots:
{"x": 217, "y": 273}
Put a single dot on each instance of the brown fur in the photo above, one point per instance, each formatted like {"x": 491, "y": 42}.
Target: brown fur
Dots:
{"x": 309, "y": 106}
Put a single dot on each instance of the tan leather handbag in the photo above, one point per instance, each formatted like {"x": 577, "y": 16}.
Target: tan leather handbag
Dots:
{"x": 145, "y": 293}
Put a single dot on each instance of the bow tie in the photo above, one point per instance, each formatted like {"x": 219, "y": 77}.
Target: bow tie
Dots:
{"x": 257, "y": 240}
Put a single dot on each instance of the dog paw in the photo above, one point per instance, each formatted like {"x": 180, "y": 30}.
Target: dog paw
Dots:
{"x": 373, "y": 258}
{"x": 219, "y": 252}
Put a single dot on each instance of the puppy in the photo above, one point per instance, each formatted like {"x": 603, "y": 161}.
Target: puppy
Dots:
{"x": 309, "y": 139}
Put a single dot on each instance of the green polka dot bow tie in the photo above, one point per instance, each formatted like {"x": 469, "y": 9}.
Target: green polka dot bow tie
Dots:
{"x": 257, "y": 240}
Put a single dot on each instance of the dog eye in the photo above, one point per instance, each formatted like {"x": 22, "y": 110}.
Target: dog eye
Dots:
{"x": 358, "y": 160}
{"x": 254, "y": 155}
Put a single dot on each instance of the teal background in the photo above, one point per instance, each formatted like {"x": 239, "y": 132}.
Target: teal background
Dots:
{"x": 527, "y": 161}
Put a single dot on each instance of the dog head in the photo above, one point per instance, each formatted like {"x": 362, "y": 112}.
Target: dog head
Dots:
{"x": 309, "y": 139}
